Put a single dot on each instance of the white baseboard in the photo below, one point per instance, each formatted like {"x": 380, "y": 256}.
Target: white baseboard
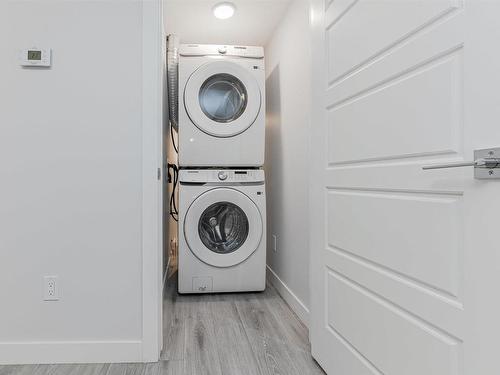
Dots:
{"x": 286, "y": 293}
{"x": 70, "y": 352}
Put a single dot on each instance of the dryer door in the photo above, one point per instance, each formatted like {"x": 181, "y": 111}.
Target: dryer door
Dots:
{"x": 223, "y": 227}
{"x": 222, "y": 98}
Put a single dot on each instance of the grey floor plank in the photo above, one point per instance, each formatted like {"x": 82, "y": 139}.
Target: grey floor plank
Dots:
{"x": 171, "y": 367}
{"x": 43, "y": 370}
{"x": 165, "y": 368}
{"x": 174, "y": 323}
{"x": 241, "y": 333}
{"x": 256, "y": 315}
{"x": 80, "y": 369}
{"x": 126, "y": 369}
{"x": 63, "y": 369}
{"x": 283, "y": 357}
{"x": 201, "y": 356}
{"x": 305, "y": 363}
{"x": 272, "y": 355}
{"x": 294, "y": 331}
{"x": 19, "y": 370}
{"x": 235, "y": 351}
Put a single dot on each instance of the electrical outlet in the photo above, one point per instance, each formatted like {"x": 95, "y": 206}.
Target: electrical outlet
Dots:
{"x": 275, "y": 242}
{"x": 50, "y": 288}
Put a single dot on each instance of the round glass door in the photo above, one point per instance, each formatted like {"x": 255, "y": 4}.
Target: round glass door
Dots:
{"x": 223, "y": 98}
{"x": 223, "y": 227}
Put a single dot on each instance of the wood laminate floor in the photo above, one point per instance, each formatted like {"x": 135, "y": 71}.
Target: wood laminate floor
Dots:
{"x": 219, "y": 334}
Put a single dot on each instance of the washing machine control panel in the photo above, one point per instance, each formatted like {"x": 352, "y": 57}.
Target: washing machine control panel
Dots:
{"x": 221, "y": 175}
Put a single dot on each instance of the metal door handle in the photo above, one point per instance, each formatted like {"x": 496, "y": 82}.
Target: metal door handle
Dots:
{"x": 485, "y": 163}
{"x": 489, "y": 163}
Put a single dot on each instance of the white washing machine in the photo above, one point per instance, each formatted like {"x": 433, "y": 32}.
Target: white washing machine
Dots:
{"x": 221, "y": 106}
{"x": 222, "y": 231}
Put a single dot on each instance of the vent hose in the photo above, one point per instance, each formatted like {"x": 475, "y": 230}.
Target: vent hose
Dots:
{"x": 173, "y": 79}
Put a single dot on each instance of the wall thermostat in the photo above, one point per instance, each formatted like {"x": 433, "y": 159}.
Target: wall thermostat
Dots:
{"x": 35, "y": 57}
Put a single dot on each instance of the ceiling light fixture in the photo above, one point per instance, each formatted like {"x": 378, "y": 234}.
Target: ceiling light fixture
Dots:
{"x": 224, "y": 10}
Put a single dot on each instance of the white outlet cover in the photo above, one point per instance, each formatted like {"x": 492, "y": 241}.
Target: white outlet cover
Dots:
{"x": 50, "y": 288}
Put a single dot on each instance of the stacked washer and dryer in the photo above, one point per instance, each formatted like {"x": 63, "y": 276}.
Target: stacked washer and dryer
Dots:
{"x": 222, "y": 202}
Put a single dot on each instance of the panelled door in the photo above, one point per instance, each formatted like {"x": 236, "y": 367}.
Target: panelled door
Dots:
{"x": 405, "y": 264}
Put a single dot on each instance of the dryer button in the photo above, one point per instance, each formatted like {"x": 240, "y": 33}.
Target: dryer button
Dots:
{"x": 222, "y": 176}
{"x": 222, "y": 50}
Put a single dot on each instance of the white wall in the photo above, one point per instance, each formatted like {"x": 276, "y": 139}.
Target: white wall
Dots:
{"x": 252, "y": 23}
{"x": 71, "y": 180}
{"x": 288, "y": 109}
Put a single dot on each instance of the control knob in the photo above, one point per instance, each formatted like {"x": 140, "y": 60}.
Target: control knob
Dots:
{"x": 222, "y": 175}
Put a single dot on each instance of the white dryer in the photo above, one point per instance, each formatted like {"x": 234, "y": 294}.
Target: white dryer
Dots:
{"x": 221, "y": 106}
{"x": 222, "y": 235}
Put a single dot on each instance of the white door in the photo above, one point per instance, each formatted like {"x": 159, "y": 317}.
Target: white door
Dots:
{"x": 405, "y": 265}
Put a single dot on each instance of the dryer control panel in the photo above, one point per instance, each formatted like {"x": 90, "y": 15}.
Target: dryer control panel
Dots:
{"x": 253, "y": 52}
{"x": 221, "y": 175}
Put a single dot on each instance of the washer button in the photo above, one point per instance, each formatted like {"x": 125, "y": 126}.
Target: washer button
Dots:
{"x": 222, "y": 50}
{"x": 222, "y": 175}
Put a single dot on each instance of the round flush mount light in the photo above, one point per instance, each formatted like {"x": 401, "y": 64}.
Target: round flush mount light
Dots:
{"x": 224, "y": 10}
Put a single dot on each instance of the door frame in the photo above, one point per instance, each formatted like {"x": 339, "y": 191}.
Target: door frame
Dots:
{"x": 316, "y": 161}
{"x": 152, "y": 192}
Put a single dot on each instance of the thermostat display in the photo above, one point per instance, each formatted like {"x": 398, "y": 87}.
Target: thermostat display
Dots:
{"x": 35, "y": 57}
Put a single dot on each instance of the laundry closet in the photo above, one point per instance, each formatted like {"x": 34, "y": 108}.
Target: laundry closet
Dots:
{"x": 235, "y": 197}
{"x": 217, "y": 132}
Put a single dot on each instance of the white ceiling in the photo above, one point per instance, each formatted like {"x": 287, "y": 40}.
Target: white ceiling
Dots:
{"x": 252, "y": 24}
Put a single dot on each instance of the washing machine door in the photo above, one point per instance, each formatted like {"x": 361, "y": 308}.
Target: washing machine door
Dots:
{"x": 222, "y": 98}
{"x": 223, "y": 227}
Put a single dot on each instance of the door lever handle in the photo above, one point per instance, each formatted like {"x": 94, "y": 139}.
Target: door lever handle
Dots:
{"x": 486, "y": 164}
